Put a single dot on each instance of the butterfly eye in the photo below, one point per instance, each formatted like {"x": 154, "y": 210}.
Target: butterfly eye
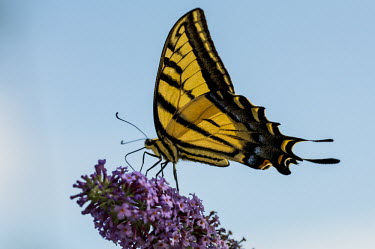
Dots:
{"x": 148, "y": 142}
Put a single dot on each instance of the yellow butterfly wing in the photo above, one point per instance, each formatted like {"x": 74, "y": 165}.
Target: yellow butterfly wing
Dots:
{"x": 189, "y": 67}
{"x": 197, "y": 114}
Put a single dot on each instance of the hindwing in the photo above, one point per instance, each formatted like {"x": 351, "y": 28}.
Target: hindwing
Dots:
{"x": 220, "y": 126}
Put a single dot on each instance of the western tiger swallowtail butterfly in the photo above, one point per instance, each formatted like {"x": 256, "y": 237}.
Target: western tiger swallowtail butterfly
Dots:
{"x": 198, "y": 116}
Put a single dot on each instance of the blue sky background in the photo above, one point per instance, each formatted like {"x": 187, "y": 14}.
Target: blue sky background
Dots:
{"x": 66, "y": 68}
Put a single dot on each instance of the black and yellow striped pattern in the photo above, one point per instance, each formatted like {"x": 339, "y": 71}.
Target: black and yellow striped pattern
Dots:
{"x": 198, "y": 116}
{"x": 189, "y": 67}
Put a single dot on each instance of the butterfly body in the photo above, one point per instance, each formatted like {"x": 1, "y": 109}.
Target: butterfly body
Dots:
{"x": 198, "y": 116}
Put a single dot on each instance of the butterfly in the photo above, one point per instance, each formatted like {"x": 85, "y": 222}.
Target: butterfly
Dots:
{"x": 198, "y": 116}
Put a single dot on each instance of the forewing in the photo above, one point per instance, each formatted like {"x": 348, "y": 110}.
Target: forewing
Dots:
{"x": 189, "y": 67}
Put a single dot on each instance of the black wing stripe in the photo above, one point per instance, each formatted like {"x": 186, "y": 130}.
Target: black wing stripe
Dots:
{"x": 172, "y": 64}
{"x": 212, "y": 122}
{"x": 169, "y": 80}
{"x": 173, "y": 83}
{"x": 167, "y": 106}
{"x": 170, "y": 45}
{"x": 195, "y": 128}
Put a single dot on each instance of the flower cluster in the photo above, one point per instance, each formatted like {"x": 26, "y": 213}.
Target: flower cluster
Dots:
{"x": 136, "y": 212}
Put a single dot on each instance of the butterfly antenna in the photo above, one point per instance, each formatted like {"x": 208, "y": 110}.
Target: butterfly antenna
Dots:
{"x": 130, "y": 124}
{"x": 122, "y": 141}
{"x": 324, "y": 160}
{"x": 132, "y": 153}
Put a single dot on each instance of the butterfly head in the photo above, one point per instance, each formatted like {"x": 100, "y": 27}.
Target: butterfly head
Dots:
{"x": 152, "y": 144}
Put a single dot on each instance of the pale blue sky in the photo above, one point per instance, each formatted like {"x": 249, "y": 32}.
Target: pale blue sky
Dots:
{"x": 66, "y": 68}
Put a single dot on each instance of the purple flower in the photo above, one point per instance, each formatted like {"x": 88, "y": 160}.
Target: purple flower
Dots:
{"x": 123, "y": 211}
{"x": 161, "y": 245}
{"x": 136, "y": 212}
{"x": 202, "y": 223}
{"x": 125, "y": 230}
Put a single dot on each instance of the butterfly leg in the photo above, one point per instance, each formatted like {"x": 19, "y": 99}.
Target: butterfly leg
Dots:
{"x": 143, "y": 158}
{"x": 153, "y": 166}
{"x": 175, "y": 176}
{"x": 129, "y": 154}
{"x": 163, "y": 165}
